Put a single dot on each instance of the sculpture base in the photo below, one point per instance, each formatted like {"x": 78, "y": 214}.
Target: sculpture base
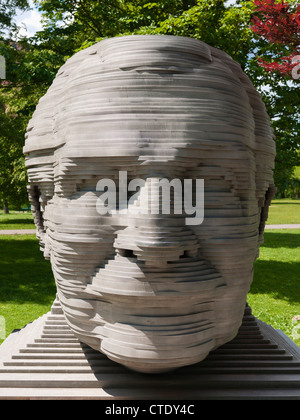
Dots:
{"x": 45, "y": 361}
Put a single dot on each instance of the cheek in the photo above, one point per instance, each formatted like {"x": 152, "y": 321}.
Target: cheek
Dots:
{"x": 229, "y": 233}
{"x": 230, "y": 248}
{"x": 78, "y": 241}
{"x": 75, "y": 262}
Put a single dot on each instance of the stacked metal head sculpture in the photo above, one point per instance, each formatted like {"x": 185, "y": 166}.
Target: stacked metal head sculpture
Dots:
{"x": 150, "y": 175}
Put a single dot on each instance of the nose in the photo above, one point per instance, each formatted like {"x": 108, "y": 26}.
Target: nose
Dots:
{"x": 156, "y": 246}
{"x": 156, "y": 238}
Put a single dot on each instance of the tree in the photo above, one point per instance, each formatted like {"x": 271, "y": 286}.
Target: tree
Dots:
{"x": 8, "y": 9}
{"x": 277, "y": 29}
{"x": 12, "y": 170}
{"x": 279, "y": 24}
{"x": 28, "y": 75}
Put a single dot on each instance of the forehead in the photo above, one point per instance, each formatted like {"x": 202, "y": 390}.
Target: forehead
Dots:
{"x": 154, "y": 117}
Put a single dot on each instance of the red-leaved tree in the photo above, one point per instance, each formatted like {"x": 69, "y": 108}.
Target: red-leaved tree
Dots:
{"x": 279, "y": 23}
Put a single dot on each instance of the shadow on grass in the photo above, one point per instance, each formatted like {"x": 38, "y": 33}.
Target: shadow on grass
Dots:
{"x": 280, "y": 279}
{"x": 289, "y": 203}
{"x": 25, "y": 276}
{"x": 281, "y": 239}
{"x": 276, "y": 277}
{"x": 16, "y": 222}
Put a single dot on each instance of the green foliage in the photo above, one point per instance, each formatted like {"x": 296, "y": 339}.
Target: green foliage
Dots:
{"x": 282, "y": 101}
{"x": 282, "y": 97}
{"x": 29, "y": 71}
{"x": 12, "y": 170}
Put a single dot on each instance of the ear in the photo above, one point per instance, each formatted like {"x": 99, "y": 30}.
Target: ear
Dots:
{"x": 39, "y": 201}
{"x": 264, "y": 210}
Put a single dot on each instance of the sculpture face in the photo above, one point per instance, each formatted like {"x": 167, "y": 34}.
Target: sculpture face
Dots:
{"x": 151, "y": 291}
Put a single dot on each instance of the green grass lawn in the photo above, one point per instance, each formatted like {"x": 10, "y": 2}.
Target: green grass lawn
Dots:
{"x": 16, "y": 220}
{"x": 27, "y": 288}
{"x": 284, "y": 211}
{"x": 275, "y": 292}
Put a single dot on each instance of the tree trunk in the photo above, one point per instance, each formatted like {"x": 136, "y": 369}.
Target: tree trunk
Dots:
{"x": 5, "y": 208}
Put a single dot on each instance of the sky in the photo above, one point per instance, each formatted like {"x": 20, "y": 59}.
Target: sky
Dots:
{"x": 30, "y": 22}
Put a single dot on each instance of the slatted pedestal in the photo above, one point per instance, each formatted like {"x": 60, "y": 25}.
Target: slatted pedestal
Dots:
{"x": 45, "y": 361}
